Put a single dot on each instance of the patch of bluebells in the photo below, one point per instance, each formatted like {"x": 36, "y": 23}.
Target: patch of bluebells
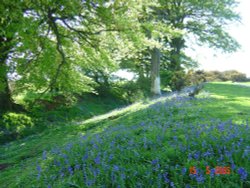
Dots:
{"x": 155, "y": 152}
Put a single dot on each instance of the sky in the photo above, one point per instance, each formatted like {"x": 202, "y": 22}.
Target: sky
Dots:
{"x": 213, "y": 60}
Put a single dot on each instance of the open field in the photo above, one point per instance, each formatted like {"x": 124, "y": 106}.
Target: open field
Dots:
{"x": 148, "y": 144}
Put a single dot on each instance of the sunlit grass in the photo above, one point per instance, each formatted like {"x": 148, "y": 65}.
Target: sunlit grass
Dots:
{"x": 226, "y": 101}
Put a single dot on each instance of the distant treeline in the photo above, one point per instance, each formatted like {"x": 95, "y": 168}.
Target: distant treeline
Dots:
{"x": 209, "y": 76}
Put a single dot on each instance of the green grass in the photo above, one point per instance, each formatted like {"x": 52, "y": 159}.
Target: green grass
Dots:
{"x": 226, "y": 101}
{"x": 229, "y": 101}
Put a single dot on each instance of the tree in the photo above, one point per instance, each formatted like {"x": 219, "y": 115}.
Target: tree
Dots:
{"x": 205, "y": 21}
{"x": 56, "y": 42}
{"x": 156, "y": 31}
{"x": 10, "y": 13}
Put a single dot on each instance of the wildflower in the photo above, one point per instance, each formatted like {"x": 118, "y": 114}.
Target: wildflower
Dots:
{"x": 44, "y": 157}
{"x": 77, "y": 166}
{"x": 97, "y": 160}
{"x": 200, "y": 178}
{"x": 89, "y": 183}
{"x": 85, "y": 157}
{"x": 155, "y": 164}
{"x": 243, "y": 173}
{"x": 69, "y": 146}
{"x": 70, "y": 169}
{"x": 39, "y": 169}
{"x": 165, "y": 176}
{"x": 123, "y": 176}
{"x": 207, "y": 154}
{"x": 62, "y": 174}
{"x": 196, "y": 155}
{"x": 110, "y": 157}
{"x": 172, "y": 184}
{"x": 116, "y": 168}
{"x": 183, "y": 171}
{"x": 233, "y": 166}
{"x": 246, "y": 152}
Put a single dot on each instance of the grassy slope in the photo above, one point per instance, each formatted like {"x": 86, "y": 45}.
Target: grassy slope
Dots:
{"x": 227, "y": 102}
{"x": 230, "y": 102}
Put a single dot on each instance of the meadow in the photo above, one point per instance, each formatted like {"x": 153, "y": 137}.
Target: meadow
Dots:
{"x": 172, "y": 141}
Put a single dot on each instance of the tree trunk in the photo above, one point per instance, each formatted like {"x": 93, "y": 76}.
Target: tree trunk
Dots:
{"x": 177, "y": 82}
{"x": 155, "y": 72}
{"x": 6, "y": 102}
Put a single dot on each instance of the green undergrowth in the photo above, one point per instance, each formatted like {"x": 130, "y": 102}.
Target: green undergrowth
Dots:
{"x": 147, "y": 144}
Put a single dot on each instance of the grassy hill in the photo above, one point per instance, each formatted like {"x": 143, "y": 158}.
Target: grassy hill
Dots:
{"x": 148, "y": 144}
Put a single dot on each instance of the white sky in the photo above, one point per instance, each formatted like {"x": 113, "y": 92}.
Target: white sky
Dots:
{"x": 212, "y": 60}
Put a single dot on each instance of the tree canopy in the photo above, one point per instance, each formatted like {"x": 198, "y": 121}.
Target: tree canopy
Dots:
{"x": 64, "y": 46}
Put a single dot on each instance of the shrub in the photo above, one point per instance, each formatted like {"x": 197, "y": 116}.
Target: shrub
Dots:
{"x": 195, "y": 77}
{"x": 15, "y": 125}
{"x": 230, "y": 75}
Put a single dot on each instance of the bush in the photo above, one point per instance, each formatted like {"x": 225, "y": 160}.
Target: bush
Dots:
{"x": 15, "y": 125}
{"x": 195, "y": 77}
{"x": 231, "y": 75}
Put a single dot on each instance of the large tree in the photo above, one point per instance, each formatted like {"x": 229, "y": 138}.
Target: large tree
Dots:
{"x": 204, "y": 21}
{"x": 51, "y": 44}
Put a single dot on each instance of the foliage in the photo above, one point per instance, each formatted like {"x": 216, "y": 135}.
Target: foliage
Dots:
{"x": 15, "y": 125}
{"x": 58, "y": 46}
{"x": 232, "y": 75}
{"x": 235, "y": 76}
{"x": 131, "y": 91}
{"x": 195, "y": 77}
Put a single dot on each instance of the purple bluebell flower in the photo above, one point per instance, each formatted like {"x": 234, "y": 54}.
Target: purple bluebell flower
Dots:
{"x": 233, "y": 166}
{"x": 155, "y": 164}
{"x": 196, "y": 155}
{"x": 200, "y": 178}
{"x": 207, "y": 154}
{"x": 61, "y": 173}
{"x": 111, "y": 156}
{"x": 212, "y": 172}
{"x": 172, "y": 184}
{"x": 69, "y": 146}
{"x": 123, "y": 176}
{"x": 243, "y": 173}
{"x": 39, "y": 170}
{"x": 246, "y": 152}
{"x": 44, "y": 157}
{"x": 85, "y": 157}
{"x": 189, "y": 156}
{"x": 89, "y": 183}
{"x": 165, "y": 177}
{"x": 77, "y": 166}
{"x": 97, "y": 160}
{"x": 70, "y": 170}
{"x": 183, "y": 171}
{"x": 116, "y": 168}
